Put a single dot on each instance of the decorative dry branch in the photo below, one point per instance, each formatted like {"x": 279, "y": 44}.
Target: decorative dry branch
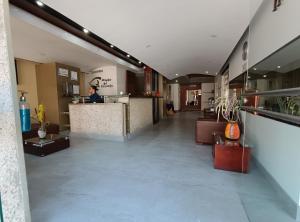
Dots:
{"x": 229, "y": 108}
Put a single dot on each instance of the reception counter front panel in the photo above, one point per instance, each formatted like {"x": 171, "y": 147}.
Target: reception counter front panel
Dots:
{"x": 98, "y": 121}
{"x": 140, "y": 114}
{"x": 110, "y": 121}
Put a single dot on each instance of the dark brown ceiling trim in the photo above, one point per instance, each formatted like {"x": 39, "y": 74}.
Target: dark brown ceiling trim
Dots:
{"x": 199, "y": 75}
{"x": 55, "y": 18}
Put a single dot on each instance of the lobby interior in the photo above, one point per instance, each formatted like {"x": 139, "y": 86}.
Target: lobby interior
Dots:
{"x": 196, "y": 116}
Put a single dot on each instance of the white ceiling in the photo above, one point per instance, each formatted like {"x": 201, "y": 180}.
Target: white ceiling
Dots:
{"x": 34, "y": 44}
{"x": 170, "y": 36}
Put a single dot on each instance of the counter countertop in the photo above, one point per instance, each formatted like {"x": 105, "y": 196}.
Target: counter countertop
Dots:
{"x": 72, "y": 104}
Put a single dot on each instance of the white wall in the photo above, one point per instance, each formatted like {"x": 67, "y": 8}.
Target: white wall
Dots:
{"x": 27, "y": 82}
{"x": 269, "y": 30}
{"x": 237, "y": 65}
{"x": 106, "y": 87}
{"x": 276, "y": 144}
{"x": 276, "y": 147}
{"x": 207, "y": 92}
{"x": 121, "y": 80}
{"x": 175, "y": 95}
{"x": 116, "y": 83}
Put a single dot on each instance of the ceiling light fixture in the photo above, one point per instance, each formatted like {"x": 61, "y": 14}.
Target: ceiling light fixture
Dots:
{"x": 265, "y": 76}
{"x": 278, "y": 67}
{"x": 128, "y": 56}
{"x": 206, "y": 72}
{"x": 85, "y": 31}
{"x": 39, "y": 3}
{"x": 176, "y": 74}
{"x": 111, "y": 46}
{"x": 254, "y": 69}
{"x": 140, "y": 62}
{"x": 176, "y": 80}
{"x": 144, "y": 67}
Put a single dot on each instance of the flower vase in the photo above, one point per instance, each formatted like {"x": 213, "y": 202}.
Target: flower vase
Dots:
{"x": 42, "y": 133}
{"x": 232, "y": 130}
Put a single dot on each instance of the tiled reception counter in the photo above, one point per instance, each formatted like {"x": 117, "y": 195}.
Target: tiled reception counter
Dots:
{"x": 111, "y": 121}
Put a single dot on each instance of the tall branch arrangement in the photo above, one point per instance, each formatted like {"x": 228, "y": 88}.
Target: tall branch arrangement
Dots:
{"x": 40, "y": 115}
{"x": 229, "y": 108}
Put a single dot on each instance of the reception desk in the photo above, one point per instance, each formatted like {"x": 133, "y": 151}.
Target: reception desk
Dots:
{"x": 111, "y": 121}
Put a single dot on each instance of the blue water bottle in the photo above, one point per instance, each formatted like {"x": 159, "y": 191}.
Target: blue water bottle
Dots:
{"x": 24, "y": 114}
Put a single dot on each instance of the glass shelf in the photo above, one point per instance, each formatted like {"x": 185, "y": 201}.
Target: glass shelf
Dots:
{"x": 278, "y": 92}
{"x": 295, "y": 120}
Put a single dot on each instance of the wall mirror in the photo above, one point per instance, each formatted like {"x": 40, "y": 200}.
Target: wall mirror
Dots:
{"x": 272, "y": 87}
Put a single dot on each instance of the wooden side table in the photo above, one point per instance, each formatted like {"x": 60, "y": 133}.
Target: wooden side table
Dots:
{"x": 42, "y": 147}
{"x": 230, "y": 155}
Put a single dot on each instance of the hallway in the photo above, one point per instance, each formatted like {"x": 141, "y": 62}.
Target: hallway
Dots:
{"x": 161, "y": 175}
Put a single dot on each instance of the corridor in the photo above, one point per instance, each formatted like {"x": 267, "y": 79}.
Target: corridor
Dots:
{"x": 159, "y": 176}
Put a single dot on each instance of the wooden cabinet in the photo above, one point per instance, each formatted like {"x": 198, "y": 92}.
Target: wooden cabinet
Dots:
{"x": 230, "y": 155}
{"x": 205, "y": 127}
{"x": 56, "y": 87}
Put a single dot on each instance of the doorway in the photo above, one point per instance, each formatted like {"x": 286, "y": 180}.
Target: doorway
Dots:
{"x": 190, "y": 97}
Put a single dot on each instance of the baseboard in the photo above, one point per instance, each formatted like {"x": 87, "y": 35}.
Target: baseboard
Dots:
{"x": 290, "y": 206}
{"x": 139, "y": 131}
{"x": 98, "y": 137}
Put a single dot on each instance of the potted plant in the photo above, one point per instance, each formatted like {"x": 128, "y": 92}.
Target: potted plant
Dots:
{"x": 229, "y": 108}
{"x": 40, "y": 113}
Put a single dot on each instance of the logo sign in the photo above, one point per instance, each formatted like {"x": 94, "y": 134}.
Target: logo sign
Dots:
{"x": 101, "y": 82}
{"x": 106, "y": 83}
{"x": 277, "y": 3}
{"x": 245, "y": 51}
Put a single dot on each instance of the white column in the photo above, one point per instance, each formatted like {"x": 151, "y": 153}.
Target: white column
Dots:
{"x": 13, "y": 184}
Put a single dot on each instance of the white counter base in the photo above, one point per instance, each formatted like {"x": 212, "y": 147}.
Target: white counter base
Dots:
{"x": 111, "y": 121}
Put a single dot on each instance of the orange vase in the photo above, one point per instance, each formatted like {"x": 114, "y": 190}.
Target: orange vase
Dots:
{"x": 232, "y": 131}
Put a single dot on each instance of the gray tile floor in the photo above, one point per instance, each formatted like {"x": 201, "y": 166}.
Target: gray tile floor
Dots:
{"x": 160, "y": 176}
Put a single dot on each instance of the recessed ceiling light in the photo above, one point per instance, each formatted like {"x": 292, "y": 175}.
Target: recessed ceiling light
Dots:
{"x": 85, "y": 31}
{"x": 254, "y": 69}
{"x": 265, "y": 76}
{"x": 140, "y": 62}
{"x": 278, "y": 67}
{"x": 39, "y": 3}
{"x": 206, "y": 72}
{"x": 111, "y": 46}
{"x": 128, "y": 56}
{"x": 176, "y": 80}
{"x": 176, "y": 74}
